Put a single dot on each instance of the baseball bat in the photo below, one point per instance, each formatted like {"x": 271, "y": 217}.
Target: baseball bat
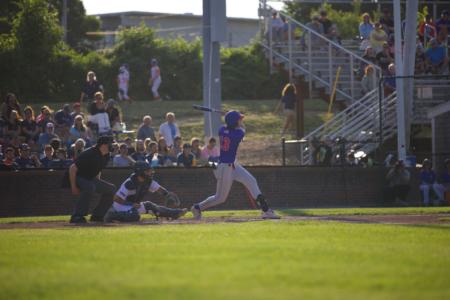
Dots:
{"x": 208, "y": 109}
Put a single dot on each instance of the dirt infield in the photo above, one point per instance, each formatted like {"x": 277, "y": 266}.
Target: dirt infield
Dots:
{"x": 430, "y": 219}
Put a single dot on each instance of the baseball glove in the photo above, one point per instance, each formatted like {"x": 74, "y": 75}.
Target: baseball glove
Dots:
{"x": 172, "y": 200}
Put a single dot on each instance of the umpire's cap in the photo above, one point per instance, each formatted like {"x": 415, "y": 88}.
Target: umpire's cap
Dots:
{"x": 105, "y": 140}
{"x": 232, "y": 117}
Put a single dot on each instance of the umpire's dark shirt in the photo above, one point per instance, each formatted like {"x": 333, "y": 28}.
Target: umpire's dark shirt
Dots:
{"x": 91, "y": 162}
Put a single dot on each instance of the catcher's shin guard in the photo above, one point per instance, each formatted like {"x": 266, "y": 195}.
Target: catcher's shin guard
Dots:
{"x": 262, "y": 203}
{"x": 122, "y": 216}
{"x": 162, "y": 211}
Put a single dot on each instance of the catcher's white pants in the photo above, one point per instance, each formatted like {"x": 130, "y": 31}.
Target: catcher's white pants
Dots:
{"x": 225, "y": 175}
{"x": 155, "y": 86}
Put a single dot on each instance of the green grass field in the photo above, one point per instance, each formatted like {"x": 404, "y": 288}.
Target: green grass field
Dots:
{"x": 251, "y": 260}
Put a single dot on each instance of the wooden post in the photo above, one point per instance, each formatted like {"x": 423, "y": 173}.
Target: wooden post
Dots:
{"x": 300, "y": 113}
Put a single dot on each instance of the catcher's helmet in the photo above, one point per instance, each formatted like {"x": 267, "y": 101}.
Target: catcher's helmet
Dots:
{"x": 232, "y": 118}
{"x": 140, "y": 167}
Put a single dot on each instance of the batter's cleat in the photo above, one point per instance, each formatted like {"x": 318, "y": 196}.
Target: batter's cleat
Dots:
{"x": 270, "y": 214}
{"x": 78, "y": 220}
{"x": 196, "y": 212}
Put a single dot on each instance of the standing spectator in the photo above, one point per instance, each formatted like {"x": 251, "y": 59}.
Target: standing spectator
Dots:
{"x": 368, "y": 82}
{"x": 76, "y": 110}
{"x": 427, "y": 30}
{"x": 123, "y": 80}
{"x": 145, "y": 130}
{"x": 48, "y": 156}
{"x": 390, "y": 82}
{"x": 10, "y": 104}
{"x": 277, "y": 28}
{"x": 369, "y": 56}
{"x": 384, "y": 58}
{"x": 44, "y": 117}
{"x": 443, "y": 24}
{"x": 140, "y": 154}
{"x": 47, "y": 136}
{"x": 90, "y": 88}
{"x": 316, "y": 41}
{"x": 99, "y": 119}
{"x": 387, "y": 22}
{"x": 123, "y": 159}
{"x": 186, "y": 158}
{"x": 29, "y": 128}
{"x": 80, "y": 131}
{"x": 428, "y": 183}
{"x": 25, "y": 160}
{"x": 288, "y": 100}
{"x": 76, "y": 149}
{"x": 436, "y": 58}
{"x": 398, "y": 183}
{"x": 155, "y": 79}
{"x": 210, "y": 152}
{"x": 9, "y": 161}
{"x": 98, "y": 105}
{"x": 377, "y": 38}
{"x": 330, "y": 30}
{"x": 169, "y": 129}
{"x": 365, "y": 28}
{"x": 195, "y": 148}
{"x": 115, "y": 119}
{"x": 63, "y": 122}
{"x": 12, "y": 128}
{"x": 84, "y": 175}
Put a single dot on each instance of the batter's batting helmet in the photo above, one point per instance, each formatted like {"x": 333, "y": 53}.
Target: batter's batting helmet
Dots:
{"x": 232, "y": 117}
{"x": 140, "y": 167}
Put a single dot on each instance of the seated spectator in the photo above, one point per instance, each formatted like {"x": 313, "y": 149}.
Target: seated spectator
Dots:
{"x": 76, "y": 110}
{"x": 115, "y": 120}
{"x": 169, "y": 129}
{"x": 195, "y": 148}
{"x": 123, "y": 159}
{"x": 61, "y": 161}
{"x": 139, "y": 154}
{"x": 387, "y": 22}
{"x": 420, "y": 65}
{"x": 316, "y": 41}
{"x": 129, "y": 142}
{"x": 90, "y": 88}
{"x": 9, "y": 105}
{"x": 186, "y": 158}
{"x": 25, "y": 159}
{"x": 56, "y": 145}
{"x": 76, "y": 149}
{"x": 44, "y": 117}
{"x": 369, "y": 55}
{"x": 427, "y": 30}
{"x": 368, "y": 82}
{"x": 176, "y": 148}
{"x": 365, "y": 28}
{"x": 114, "y": 151}
{"x": 436, "y": 58}
{"x": 12, "y": 126}
{"x": 29, "y": 128}
{"x": 397, "y": 184}
{"x": 384, "y": 58}
{"x": 377, "y": 38}
{"x": 80, "y": 131}
{"x": 99, "y": 119}
{"x": 145, "y": 130}
{"x": 9, "y": 161}
{"x": 48, "y": 157}
{"x": 210, "y": 152}
{"x": 164, "y": 153}
{"x": 329, "y": 28}
{"x": 152, "y": 157}
{"x": 445, "y": 176}
{"x": 47, "y": 136}
{"x": 390, "y": 82}
{"x": 443, "y": 24}
{"x": 63, "y": 122}
{"x": 428, "y": 183}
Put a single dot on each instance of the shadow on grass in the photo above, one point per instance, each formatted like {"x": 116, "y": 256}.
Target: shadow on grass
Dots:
{"x": 294, "y": 212}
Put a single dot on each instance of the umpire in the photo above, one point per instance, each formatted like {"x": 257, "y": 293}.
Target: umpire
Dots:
{"x": 84, "y": 175}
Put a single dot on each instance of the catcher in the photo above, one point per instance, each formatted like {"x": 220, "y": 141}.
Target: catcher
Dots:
{"x": 127, "y": 205}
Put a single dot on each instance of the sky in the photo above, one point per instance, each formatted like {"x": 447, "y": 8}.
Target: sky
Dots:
{"x": 235, "y": 8}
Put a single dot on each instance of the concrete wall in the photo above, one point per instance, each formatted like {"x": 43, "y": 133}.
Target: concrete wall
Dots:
{"x": 38, "y": 192}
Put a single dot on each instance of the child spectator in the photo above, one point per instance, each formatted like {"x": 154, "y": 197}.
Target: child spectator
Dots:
{"x": 76, "y": 149}
{"x": 25, "y": 160}
{"x": 365, "y": 28}
{"x": 10, "y": 104}
{"x": 398, "y": 183}
{"x": 44, "y": 117}
{"x": 368, "y": 82}
{"x": 428, "y": 183}
{"x": 47, "y": 136}
{"x": 12, "y": 128}
{"x": 139, "y": 154}
{"x": 145, "y": 130}
{"x": 195, "y": 148}
{"x": 169, "y": 129}
{"x": 186, "y": 158}
{"x": 8, "y": 163}
{"x": 153, "y": 158}
{"x": 90, "y": 88}
{"x": 76, "y": 110}
{"x": 63, "y": 122}
{"x": 176, "y": 148}
{"x": 48, "y": 157}
{"x": 123, "y": 159}
{"x": 29, "y": 128}
{"x": 377, "y": 38}
{"x": 436, "y": 58}
{"x": 210, "y": 152}
{"x": 288, "y": 100}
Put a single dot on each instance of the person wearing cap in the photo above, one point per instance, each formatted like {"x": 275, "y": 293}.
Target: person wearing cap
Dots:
{"x": 25, "y": 160}
{"x": 90, "y": 87}
{"x": 365, "y": 27}
{"x": 436, "y": 58}
{"x": 186, "y": 158}
{"x": 85, "y": 180}
{"x": 155, "y": 79}
{"x": 397, "y": 184}
{"x": 428, "y": 183}
{"x": 47, "y": 136}
{"x": 63, "y": 122}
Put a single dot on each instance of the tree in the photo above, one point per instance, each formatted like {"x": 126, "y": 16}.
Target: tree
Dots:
{"x": 8, "y": 11}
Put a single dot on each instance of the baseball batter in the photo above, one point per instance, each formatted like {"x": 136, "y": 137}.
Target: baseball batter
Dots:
{"x": 128, "y": 205}
{"x": 229, "y": 169}
{"x": 122, "y": 81}
{"x": 155, "y": 79}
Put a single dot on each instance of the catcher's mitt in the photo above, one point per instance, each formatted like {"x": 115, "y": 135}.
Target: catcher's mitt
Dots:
{"x": 172, "y": 200}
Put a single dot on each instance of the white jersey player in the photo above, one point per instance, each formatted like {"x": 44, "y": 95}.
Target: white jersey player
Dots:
{"x": 123, "y": 80}
{"x": 155, "y": 79}
{"x": 229, "y": 170}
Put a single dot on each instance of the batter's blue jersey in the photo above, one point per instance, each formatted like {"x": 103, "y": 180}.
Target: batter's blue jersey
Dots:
{"x": 229, "y": 143}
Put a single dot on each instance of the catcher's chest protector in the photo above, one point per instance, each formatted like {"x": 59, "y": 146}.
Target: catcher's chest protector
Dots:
{"x": 139, "y": 189}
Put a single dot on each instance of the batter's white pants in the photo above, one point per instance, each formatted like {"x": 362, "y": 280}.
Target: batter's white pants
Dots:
{"x": 155, "y": 87}
{"x": 437, "y": 188}
{"x": 225, "y": 175}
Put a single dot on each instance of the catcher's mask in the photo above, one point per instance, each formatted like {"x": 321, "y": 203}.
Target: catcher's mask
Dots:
{"x": 140, "y": 167}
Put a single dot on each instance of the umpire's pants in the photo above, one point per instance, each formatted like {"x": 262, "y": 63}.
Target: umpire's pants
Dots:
{"x": 87, "y": 190}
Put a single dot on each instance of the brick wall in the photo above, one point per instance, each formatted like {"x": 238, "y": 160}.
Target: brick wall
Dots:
{"x": 38, "y": 192}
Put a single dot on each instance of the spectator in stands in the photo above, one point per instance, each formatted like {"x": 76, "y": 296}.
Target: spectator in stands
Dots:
{"x": 351, "y": 159}
{"x": 10, "y": 104}
{"x": 115, "y": 119}
{"x": 98, "y": 105}
{"x": 443, "y": 24}
{"x": 365, "y": 28}
{"x": 99, "y": 119}
{"x": 145, "y": 130}
{"x": 390, "y": 82}
{"x": 129, "y": 142}
{"x": 56, "y": 144}
{"x": 61, "y": 161}
{"x": 445, "y": 176}
{"x": 316, "y": 41}
{"x": 377, "y": 38}
{"x": 420, "y": 65}
{"x": 169, "y": 129}
{"x": 76, "y": 110}
{"x": 29, "y": 128}
{"x": 329, "y": 28}
{"x": 44, "y": 117}
{"x": 80, "y": 131}
{"x": 8, "y": 163}
{"x": 153, "y": 158}
{"x": 47, "y": 136}
{"x": 368, "y": 82}
{"x": 427, "y": 30}
{"x": 12, "y": 128}
{"x": 176, "y": 148}
{"x": 384, "y": 58}
{"x": 123, "y": 159}
{"x": 139, "y": 154}
{"x": 90, "y": 88}
{"x": 210, "y": 152}
{"x": 288, "y": 101}
{"x": 123, "y": 79}
{"x": 322, "y": 153}
{"x": 370, "y": 56}
{"x": 25, "y": 159}
{"x": 436, "y": 58}
{"x": 397, "y": 184}
{"x": 63, "y": 122}
{"x": 48, "y": 156}
{"x": 387, "y": 22}
{"x": 163, "y": 152}
{"x": 76, "y": 149}
{"x": 195, "y": 148}
{"x": 277, "y": 27}
{"x": 286, "y": 25}
{"x": 428, "y": 183}
{"x": 186, "y": 158}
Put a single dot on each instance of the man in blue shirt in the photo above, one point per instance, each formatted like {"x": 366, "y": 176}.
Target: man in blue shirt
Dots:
{"x": 436, "y": 57}
{"x": 186, "y": 158}
{"x": 428, "y": 182}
